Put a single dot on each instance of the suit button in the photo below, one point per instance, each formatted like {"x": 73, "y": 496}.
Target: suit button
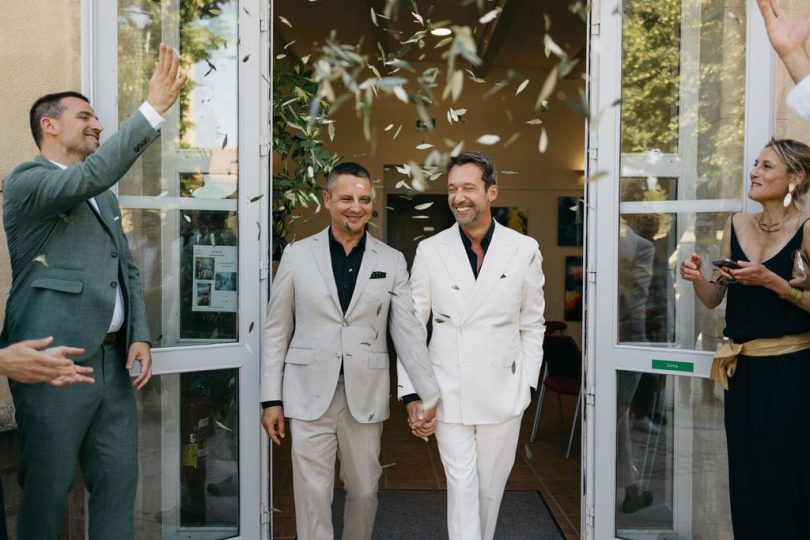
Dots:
{"x": 113, "y": 284}
{"x": 114, "y": 254}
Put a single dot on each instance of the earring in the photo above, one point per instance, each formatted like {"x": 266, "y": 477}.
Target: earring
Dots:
{"x": 789, "y": 196}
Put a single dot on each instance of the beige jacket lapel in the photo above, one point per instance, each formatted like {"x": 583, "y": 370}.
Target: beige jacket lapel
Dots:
{"x": 370, "y": 256}
{"x": 323, "y": 260}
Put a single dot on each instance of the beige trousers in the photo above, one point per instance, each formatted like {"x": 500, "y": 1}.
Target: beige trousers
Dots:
{"x": 315, "y": 444}
{"x": 477, "y": 461}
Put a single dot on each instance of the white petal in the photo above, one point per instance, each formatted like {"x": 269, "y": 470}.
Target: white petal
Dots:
{"x": 488, "y": 139}
{"x": 487, "y": 17}
{"x": 423, "y": 206}
{"x": 543, "y": 145}
{"x": 522, "y": 86}
{"x": 424, "y": 146}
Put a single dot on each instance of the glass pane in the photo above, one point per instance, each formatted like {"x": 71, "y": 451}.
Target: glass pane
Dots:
{"x": 683, "y": 93}
{"x": 189, "y": 456}
{"x": 651, "y": 66}
{"x": 671, "y": 469}
{"x": 180, "y": 199}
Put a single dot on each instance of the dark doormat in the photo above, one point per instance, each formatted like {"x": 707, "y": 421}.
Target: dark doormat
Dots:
{"x": 422, "y": 514}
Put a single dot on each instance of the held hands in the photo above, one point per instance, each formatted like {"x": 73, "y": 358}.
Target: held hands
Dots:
{"x": 140, "y": 352}
{"x": 421, "y": 421}
{"x": 273, "y": 423}
{"x": 166, "y": 81}
{"x": 27, "y": 363}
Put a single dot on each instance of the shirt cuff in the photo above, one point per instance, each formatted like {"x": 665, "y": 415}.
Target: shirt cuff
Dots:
{"x": 273, "y": 403}
{"x": 152, "y": 116}
{"x": 799, "y": 98}
{"x": 410, "y": 398}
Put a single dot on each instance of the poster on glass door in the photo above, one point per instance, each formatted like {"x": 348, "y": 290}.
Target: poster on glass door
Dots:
{"x": 215, "y": 278}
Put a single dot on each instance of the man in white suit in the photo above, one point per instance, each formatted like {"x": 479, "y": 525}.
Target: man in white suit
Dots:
{"x": 483, "y": 284}
{"x": 789, "y": 39}
{"x": 325, "y": 362}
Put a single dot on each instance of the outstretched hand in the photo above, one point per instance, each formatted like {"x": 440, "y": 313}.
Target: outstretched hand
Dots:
{"x": 788, "y": 37}
{"x": 166, "y": 81}
{"x": 26, "y": 363}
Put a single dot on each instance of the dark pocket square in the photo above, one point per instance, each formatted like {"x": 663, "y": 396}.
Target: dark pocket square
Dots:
{"x": 377, "y": 275}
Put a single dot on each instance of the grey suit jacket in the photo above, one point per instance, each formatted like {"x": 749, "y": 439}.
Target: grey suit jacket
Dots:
{"x": 306, "y": 335}
{"x": 66, "y": 261}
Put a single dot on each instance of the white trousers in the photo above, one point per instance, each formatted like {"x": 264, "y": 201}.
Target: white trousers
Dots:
{"x": 315, "y": 445}
{"x": 477, "y": 461}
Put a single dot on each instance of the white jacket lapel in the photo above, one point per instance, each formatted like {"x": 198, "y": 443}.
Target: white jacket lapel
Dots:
{"x": 454, "y": 258}
{"x": 495, "y": 268}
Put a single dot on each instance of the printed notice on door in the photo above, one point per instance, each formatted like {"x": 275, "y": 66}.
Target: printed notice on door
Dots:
{"x": 215, "y": 278}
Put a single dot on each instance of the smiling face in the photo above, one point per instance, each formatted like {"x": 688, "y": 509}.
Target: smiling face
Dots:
{"x": 468, "y": 197}
{"x": 769, "y": 177}
{"x": 350, "y": 204}
{"x": 76, "y": 131}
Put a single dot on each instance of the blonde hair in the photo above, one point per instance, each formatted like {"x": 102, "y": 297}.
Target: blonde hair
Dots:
{"x": 796, "y": 157}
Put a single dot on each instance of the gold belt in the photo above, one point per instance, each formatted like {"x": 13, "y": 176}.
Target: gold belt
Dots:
{"x": 724, "y": 363}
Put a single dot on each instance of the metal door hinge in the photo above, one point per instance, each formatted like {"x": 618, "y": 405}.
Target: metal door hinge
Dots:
{"x": 264, "y": 270}
{"x": 593, "y": 153}
{"x": 265, "y": 516}
{"x": 595, "y": 27}
{"x": 264, "y": 147}
{"x": 592, "y": 277}
{"x": 590, "y": 398}
{"x": 589, "y": 516}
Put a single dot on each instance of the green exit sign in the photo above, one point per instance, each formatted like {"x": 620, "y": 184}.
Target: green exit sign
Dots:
{"x": 673, "y": 365}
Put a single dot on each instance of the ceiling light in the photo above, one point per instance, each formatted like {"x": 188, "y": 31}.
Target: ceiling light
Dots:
{"x": 441, "y": 31}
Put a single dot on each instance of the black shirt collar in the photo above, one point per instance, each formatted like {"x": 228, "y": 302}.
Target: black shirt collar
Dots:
{"x": 333, "y": 243}
{"x": 485, "y": 241}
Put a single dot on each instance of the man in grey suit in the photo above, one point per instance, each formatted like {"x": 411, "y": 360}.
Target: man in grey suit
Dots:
{"x": 325, "y": 361}
{"x": 73, "y": 278}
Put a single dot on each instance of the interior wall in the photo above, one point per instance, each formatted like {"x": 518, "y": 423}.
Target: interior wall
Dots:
{"x": 40, "y": 53}
{"x": 541, "y": 177}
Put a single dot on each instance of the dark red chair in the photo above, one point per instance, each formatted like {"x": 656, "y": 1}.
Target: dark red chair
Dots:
{"x": 561, "y": 373}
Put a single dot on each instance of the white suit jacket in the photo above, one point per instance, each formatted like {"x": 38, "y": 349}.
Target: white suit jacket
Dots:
{"x": 799, "y": 98}
{"x": 306, "y": 334}
{"x": 487, "y": 341}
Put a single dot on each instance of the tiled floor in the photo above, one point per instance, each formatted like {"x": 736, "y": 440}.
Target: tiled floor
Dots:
{"x": 410, "y": 463}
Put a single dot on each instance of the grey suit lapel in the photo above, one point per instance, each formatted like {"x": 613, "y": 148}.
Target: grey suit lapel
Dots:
{"x": 323, "y": 260}
{"x": 496, "y": 263}
{"x": 367, "y": 265}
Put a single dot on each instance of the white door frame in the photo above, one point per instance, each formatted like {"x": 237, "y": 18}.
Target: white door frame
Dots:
{"x": 99, "y": 74}
{"x": 603, "y": 356}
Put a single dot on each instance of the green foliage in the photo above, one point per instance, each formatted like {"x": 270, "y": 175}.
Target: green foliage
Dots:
{"x": 299, "y": 120}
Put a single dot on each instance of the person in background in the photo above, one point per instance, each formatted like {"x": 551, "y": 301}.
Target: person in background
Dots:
{"x": 789, "y": 40}
{"x": 764, "y": 366}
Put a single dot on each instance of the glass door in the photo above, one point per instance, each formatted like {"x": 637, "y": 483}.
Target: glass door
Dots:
{"x": 681, "y": 116}
{"x": 192, "y": 210}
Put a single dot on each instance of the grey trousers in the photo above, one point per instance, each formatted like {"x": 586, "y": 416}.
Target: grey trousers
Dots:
{"x": 94, "y": 425}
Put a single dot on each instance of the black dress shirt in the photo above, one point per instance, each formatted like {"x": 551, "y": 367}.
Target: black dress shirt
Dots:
{"x": 344, "y": 269}
{"x": 485, "y": 241}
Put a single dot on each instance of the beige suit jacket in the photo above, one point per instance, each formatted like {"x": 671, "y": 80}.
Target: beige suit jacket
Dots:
{"x": 306, "y": 334}
{"x": 487, "y": 341}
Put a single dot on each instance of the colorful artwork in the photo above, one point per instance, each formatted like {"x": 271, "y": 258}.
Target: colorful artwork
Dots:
{"x": 574, "y": 271}
{"x": 513, "y": 217}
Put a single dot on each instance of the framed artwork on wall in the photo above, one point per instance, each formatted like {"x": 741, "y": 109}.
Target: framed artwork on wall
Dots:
{"x": 514, "y": 217}
{"x": 574, "y": 271}
{"x": 569, "y": 221}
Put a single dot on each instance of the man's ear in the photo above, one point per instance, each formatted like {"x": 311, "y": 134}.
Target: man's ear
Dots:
{"x": 48, "y": 125}
{"x": 492, "y": 192}
{"x": 326, "y": 199}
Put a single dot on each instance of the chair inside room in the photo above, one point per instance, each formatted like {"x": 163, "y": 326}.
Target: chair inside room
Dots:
{"x": 561, "y": 373}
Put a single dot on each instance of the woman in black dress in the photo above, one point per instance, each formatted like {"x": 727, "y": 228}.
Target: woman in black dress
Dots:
{"x": 765, "y": 365}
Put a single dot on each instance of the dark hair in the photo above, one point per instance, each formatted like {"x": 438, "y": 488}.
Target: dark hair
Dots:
{"x": 484, "y": 163}
{"x": 796, "y": 157}
{"x": 49, "y": 106}
{"x": 346, "y": 167}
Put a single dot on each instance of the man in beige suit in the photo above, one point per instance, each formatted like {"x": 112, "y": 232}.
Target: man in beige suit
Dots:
{"x": 325, "y": 363}
{"x": 484, "y": 285}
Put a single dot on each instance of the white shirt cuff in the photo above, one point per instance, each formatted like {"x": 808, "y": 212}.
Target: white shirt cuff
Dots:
{"x": 151, "y": 115}
{"x": 799, "y": 98}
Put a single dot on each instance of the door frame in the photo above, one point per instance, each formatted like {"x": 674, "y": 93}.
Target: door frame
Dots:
{"x": 603, "y": 357}
{"x": 99, "y": 73}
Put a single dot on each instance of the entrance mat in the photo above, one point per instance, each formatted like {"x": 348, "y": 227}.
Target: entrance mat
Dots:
{"x": 422, "y": 514}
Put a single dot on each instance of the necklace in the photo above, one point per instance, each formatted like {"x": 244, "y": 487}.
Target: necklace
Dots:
{"x": 775, "y": 226}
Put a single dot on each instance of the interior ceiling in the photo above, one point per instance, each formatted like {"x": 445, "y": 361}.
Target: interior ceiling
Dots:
{"x": 513, "y": 40}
